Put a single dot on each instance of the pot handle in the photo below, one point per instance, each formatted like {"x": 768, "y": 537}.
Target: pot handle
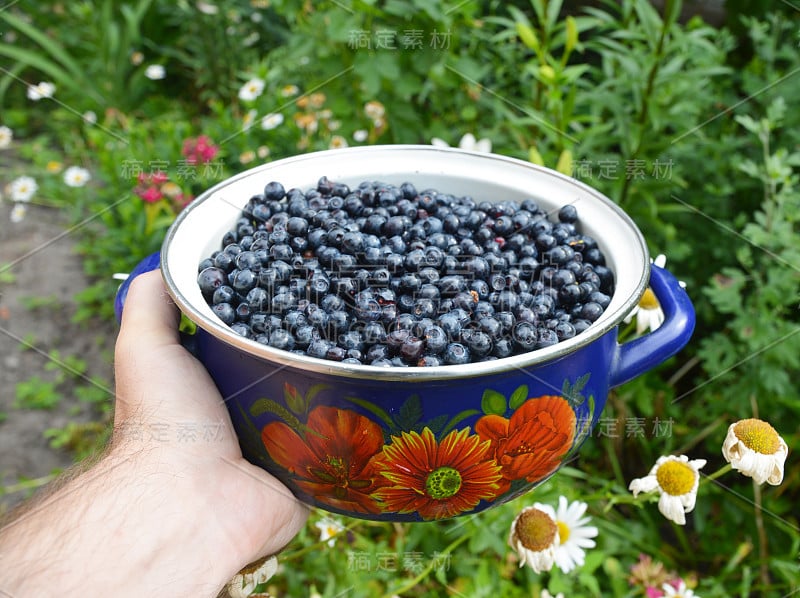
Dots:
{"x": 639, "y": 355}
{"x": 151, "y": 262}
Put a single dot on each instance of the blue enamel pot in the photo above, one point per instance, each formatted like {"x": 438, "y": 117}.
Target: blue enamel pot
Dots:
{"x": 420, "y": 443}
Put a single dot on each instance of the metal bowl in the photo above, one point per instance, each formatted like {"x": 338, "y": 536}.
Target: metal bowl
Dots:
{"x": 420, "y": 443}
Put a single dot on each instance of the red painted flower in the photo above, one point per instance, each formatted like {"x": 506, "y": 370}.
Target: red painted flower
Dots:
{"x": 531, "y": 443}
{"x": 332, "y": 462}
{"x": 437, "y": 480}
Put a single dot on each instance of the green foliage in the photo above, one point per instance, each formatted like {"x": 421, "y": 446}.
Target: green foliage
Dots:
{"x": 37, "y": 393}
{"x": 759, "y": 296}
{"x": 693, "y": 137}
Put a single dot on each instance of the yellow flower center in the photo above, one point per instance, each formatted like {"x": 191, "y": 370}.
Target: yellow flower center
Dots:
{"x": 675, "y": 477}
{"x": 648, "y": 300}
{"x": 536, "y": 529}
{"x": 758, "y": 435}
{"x": 563, "y": 531}
{"x": 443, "y": 483}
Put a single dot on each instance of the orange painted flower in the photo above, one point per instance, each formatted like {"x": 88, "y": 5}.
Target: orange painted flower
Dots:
{"x": 531, "y": 443}
{"x": 333, "y": 461}
{"x": 436, "y": 479}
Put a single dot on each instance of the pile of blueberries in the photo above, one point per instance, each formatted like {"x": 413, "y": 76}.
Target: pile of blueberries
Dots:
{"x": 386, "y": 275}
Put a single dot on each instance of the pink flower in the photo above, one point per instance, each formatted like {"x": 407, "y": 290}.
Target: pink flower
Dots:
{"x": 158, "y": 178}
{"x": 150, "y": 195}
{"x": 652, "y": 592}
{"x": 200, "y": 149}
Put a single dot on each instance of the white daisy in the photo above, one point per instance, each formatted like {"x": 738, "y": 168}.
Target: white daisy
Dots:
{"x": 246, "y": 581}
{"x": 534, "y": 535}
{"x": 648, "y": 312}
{"x": 6, "y": 135}
{"x": 290, "y": 90}
{"x": 360, "y": 136}
{"x": 468, "y": 142}
{"x": 154, "y": 72}
{"x": 22, "y": 188}
{"x": 678, "y": 592}
{"x": 75, "y": 176}
{"x": 43, "y": 90}
{"x": 374, "y": 110}
{"x": 546, "y": 594}
{"x": 262, "y": 151}
{"x": 574, "y": 534}
{"x": 676, "y": 479}
{"x": 18, "y": 212}
{"x": 272, "y": 120}
{"x": 756, "y": 450}
{"x": 249, "y": 119}
{"x": 247, "y": 156}
{"x": 90, "y": 117}
{"x": 328, "y": 530}
{"x": 251, "y": 90}
{"x": 207, "y": 8}
{"x": 337, "y": 141}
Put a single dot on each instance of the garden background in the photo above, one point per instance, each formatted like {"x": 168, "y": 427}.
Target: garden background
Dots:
{"x": 121, "y": 112}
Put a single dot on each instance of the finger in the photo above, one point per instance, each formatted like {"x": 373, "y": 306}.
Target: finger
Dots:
{"x": 150, "y": 317}
{"x": 149, "y": 323}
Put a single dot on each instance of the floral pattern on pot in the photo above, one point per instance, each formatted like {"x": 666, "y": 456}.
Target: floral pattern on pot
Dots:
{"x": 532, "y": 442}
{"x": 333, "y": 460}
{"x": 437, "y": 479}
{"x": 382, "y": 464}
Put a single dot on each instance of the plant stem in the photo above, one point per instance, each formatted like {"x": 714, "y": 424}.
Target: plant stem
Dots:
{"x": 425, "y": 572}
{"x": 719, "y": 473}
{"x": 763, "y": 551}
{"x": 28, "y": 484}
{"x": 644, "y": 111}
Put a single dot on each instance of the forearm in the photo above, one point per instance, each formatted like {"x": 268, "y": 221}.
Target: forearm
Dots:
{"x": 116, "y": 529}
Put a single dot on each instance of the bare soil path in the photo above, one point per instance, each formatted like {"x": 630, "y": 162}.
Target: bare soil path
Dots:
{"x": 36, "y": 308}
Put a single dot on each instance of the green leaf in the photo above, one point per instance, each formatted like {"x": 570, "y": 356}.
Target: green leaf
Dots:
{"x": 436, "y": 425}
{"x": 518, "y": 397}
{"x": 294, "y": 399}
{"x": 374, "y": 410}
{"x": 493, "y": 403}
{"x": 262, "y": 406}
{"x": 409, "y": 413}
{"x": 457, "y": 419}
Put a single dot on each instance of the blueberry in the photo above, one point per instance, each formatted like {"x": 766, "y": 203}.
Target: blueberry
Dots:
{"x": 525, "y": 336}
{"x": 241, "y": 329}
{"x": 225, "y": 312}
{"x": 591, "y": 311}
{"x": 223, "y": 294}
{"x": 429, "y": 361}
{"x": 411, "y": 349}
{"x": 209, "y": 280}
{"x": 319, "y": 348}
{"x": 274, "y": 191}
{"x": 340, "y": 264}
{"x": 281, "y": 339}
{"x": 456, "y": 354}
{"x": 479, "y": 343}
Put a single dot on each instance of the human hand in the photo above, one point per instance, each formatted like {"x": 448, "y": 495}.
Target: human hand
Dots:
{"x": 162, "y": 513}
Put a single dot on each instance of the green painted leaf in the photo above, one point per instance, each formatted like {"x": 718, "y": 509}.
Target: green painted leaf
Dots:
{"x": 518, "y": 397}
{"x": 457, "y": 419}
{"x": 437, "y": 424}
{"x": 314, "y": 391}
{"x": 374, "y": 410}
{"x": 262, "y": 406}
{"x": 294, "y": 399}
{"x": 493, "y": 403}
{"x": 409, "y": 413}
